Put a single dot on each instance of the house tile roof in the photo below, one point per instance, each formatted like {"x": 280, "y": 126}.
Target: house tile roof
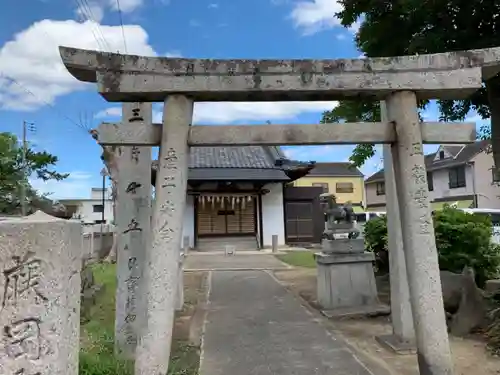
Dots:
{"x": 237, "y": 163}
{"x": 250, "y": 157}
{"x": 461, "y": 155}
{"x": 335, "y": 169}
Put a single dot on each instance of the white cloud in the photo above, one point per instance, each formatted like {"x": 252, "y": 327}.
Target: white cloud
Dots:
{"x": 91, "y": 11}
{"x": 32, "y": 59}
{"x": 126, "y": 6}
{"x": 77, "y": 185}
{"x": 224, "y": 113}
{"x": 213, "y": 6}
{"x": 94, "y": 10}
{"x": 316, "y": 15}
{"x": 110, "y": 112}
{"x": 173, "y": 53}
{"x": 230, "y": 112}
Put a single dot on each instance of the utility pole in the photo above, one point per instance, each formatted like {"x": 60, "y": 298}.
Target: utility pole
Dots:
{"x": 104, "y": 173}
{"x": 24, "y": 167}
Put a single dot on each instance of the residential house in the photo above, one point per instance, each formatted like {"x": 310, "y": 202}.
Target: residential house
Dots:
{"x": 237, "y": 195}
{"x": 342, "y": 179}
{"x": 461, "y": 175}
{"x": 91, "y": 210}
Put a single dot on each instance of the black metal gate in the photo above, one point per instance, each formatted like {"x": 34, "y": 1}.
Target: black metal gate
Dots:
{"x": 304, "y": 219}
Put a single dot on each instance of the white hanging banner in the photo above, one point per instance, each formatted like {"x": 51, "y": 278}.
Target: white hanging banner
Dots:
{"x": 223, "y": 203}
{"x": 243, "y": 203}
{"x": 232, "y": 203}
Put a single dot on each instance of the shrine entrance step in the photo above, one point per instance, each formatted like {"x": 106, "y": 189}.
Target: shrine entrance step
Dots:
{"x": 240, "y": 243}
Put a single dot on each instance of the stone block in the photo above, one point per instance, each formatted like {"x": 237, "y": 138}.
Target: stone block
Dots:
{"x": 346, "y": 280}
{"x": 396, "y": 344}
{"x": 343, "y": 246}
{"x": 492, "y": 286}
{"x": 41, "y": 260}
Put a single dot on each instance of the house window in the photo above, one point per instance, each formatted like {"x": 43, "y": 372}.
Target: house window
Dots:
{"x": 495, "y": 175}
{"x": 323, "y": 185}
{"x": 430, "y": 181}
{"x": 380, "y": 188}
{"x": 344, "y": 187}
{"x": 98, "y": 208}
{"x": 457, "y": 177}
{"x": 441, "y": 155}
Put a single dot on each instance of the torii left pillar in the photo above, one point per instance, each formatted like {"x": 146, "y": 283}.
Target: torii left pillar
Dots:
{"x": 133, "y": 213}
{"x": 160, "y": 274}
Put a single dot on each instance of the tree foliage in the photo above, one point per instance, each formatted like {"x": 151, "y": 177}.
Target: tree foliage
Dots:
{"x": 408, "y": 27}
{"x": 462, "y": 239}
{"x": 15, "y": 171}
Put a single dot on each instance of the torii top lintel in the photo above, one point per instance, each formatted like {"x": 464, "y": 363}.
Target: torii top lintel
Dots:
{"x": 131, "y": 78}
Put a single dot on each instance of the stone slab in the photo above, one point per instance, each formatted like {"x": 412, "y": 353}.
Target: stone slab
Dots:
{"x": 41, "y": 262}
{"x": 330, "y": 258}
{"x": 255, "y": 326}
{"x": 395, "y": 344}
{"x": 357, "y": 311}
{"x": 492, "y": 286}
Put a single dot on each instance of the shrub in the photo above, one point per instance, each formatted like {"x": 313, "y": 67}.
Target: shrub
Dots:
{"x": 462, "y": 239}
{"x": 375, "y": 232}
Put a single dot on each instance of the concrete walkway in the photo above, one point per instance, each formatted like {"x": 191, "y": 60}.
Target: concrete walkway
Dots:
{"x": 256, "y": 327}
{"x": 241, "y": 261}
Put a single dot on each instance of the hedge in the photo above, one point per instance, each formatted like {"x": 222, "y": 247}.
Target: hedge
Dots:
{"x": 462, "y": 239}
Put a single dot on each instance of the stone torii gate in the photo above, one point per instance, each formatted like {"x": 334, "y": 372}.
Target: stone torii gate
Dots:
{"x": 399, "y": 81}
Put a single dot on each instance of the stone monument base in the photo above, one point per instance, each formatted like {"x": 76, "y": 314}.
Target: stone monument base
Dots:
{"x": 396, "y": 344}
{"x": 346, "y": 284}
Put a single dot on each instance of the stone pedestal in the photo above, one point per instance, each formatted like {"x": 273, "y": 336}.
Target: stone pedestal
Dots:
{"x": 41, "y": 261}
{"x": 343, "y": 246}
{"x": 346, "y": 282}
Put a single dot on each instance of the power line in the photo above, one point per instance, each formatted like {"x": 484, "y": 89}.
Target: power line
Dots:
{"x": 90, "y": 15}
{"x": 25, "y": 89}
{"x": 121, "y": 23}
{"x": 86, "y": 13}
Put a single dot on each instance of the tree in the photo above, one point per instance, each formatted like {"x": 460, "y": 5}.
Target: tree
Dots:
{"x": 15, "y": 170}
{"x": 110, "y": 160}
{"x": 408, "y": 27}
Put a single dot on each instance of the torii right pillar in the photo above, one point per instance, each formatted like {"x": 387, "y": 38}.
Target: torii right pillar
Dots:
{"x": 434, "y": 357}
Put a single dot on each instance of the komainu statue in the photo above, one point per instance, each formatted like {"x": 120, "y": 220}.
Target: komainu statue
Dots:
{"x": 339, "y": 218}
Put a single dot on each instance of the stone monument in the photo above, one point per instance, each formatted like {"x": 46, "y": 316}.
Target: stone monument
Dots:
{"x": 346, "y": 281}
{"x": 133, "y": 219}
{"x": 40, "y": 295}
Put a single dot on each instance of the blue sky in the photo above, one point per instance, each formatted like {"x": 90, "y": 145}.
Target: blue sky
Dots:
{"x": 35, "y": 87}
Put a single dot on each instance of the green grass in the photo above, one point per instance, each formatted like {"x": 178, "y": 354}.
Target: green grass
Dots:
{"x": 97, "y": 336}
{"x": 299, "y": 259}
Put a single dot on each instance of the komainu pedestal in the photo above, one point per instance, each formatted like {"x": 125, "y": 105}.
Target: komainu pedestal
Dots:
{"x": 346, "y": 281}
